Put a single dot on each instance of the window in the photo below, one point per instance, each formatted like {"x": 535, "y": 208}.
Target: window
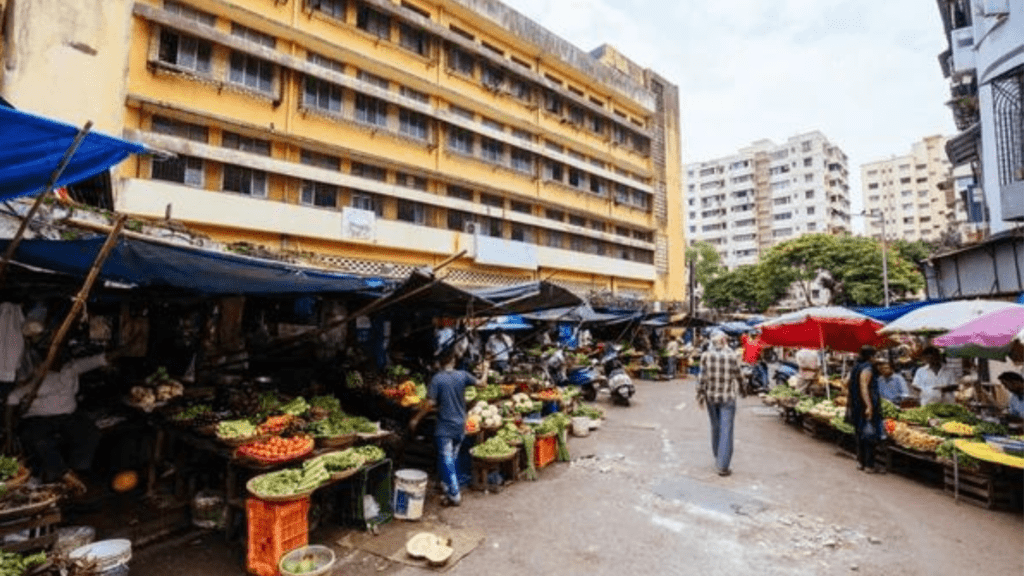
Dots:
{"x": 457, "y": 220}
{"x": 460, "y": 140}
{"x": 319, "y": 194}
{"x": 412, "y": 124}
{"x": 806, "y": 146}
{"x": 553, "y": 171}
{"x": 324, "y": 161}
{"x": 597, "y": 186}
{"x": 522, "y": 161}
{"x": 245, "y": 144}
{"x": 251, "y": 35}
{"x": 366, "y": 201}
{"x": 554, "y": 239}
{"x": 596, "y": 124}
{"x": 372, "y": 21}
{"x": 922, "y": 193}
{"x": 556, "y": 215}
{"x": 521, "y": 207}
{"x": 181, "y": 169}
{"x": 321, "y": 95}
{"x": 461, "y": 112}
{"x": 245, "y": 181}
{"x": 163, "y": 125}
{"x": 492, "y": 201}
{"x": 808, "y": 177}
{"x": 782, "y": 216}
{"x": 577, "y": 243}
{"x": 492, "y": 150}
{"x": 416, "y": 10}
{"x": 369, "y": 171}
{"x": 460, "y": 193}
{"x": 905, "y": 180}
{"x": 492, "y": 227}
{"x": 552, "y": 102}
{"x": 371, "y": 110}
{"x": 522, "y": 233}
{"x": 491, "y": 76}
{"x": 873, "y": 186}
{"x": 413, "y": 212}
{"x": 184, "y": 51}
{"x": 781, "y": 201}
{"x": 412, "y": 39}
{"x": 333, "y": 8}
{"x": 812, "y": 226}
{"x": 641, "y": 199}
{"x": 576, "y": 115}
{"x": 190, "y": 13}
{"x": 410, "y": 181}
{"x": 325, "y": 62}
{"x": 576, "y": 177}
{"x": 461, "y": 61}
{"x": 251, "y": 72}
{"x": 416, "y": 95}
{"x": 522, "y": 135}
{"x": 810, "y": 210}
{"x": 808, "y": 162}
{"x": 622, "y": 195}
{"x": 374, "y": 80}
{"x": 520, "y": 89}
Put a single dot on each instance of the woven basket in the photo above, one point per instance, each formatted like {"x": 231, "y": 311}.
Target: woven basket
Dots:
{"x": 336, "y": 441}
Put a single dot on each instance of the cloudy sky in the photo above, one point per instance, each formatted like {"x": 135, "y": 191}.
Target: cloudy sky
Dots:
{"x": 864, "y": 73}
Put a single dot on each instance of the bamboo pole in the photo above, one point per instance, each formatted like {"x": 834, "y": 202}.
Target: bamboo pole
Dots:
{"x": 449, "y": 260}
{"x": 54, "y": 176}
{"x": 76, "y": 308}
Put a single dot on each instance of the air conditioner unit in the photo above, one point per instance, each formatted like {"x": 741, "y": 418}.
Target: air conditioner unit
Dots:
{"x": 471, "y": 228}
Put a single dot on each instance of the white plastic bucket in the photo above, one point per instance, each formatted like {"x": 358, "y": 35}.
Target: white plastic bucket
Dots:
{"x": 580, "y": 426}
{"x": 410, "y": 491}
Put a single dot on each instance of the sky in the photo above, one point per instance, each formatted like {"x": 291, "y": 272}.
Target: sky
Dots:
{"x": 865, "y": 74}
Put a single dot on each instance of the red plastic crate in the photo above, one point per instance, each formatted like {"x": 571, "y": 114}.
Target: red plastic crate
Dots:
{"x": 274, "y": 529}
{"x": 544, "y": 451}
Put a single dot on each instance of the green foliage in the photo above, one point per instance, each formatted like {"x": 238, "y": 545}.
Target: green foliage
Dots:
{"x": 739, "y": 290}
{"x": 707, "y": 264}
{"x": 916, "y": 251}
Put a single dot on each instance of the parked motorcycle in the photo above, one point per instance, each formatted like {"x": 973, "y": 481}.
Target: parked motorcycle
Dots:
{"x": 605, "y": 375}
{"x": 756, "y": 379}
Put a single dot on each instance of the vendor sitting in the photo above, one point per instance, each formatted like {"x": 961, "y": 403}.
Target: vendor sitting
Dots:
{"x": 935, "y": 382}
{"x": 56, "y": 435}
{"x": 809, "y": 363}
{"x": 891, "y": 386}
{"x": 1014, "y": 384}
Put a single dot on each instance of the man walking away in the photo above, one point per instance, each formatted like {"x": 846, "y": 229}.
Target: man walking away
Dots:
{"x": 717, "y": 389}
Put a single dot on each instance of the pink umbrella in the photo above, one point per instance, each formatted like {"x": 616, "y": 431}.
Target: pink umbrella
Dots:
{"x": 988, "y": 336}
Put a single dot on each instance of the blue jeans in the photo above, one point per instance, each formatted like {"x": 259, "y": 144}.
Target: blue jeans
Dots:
{"x": 447, "y": 455}
{"x": 722, "y": 417}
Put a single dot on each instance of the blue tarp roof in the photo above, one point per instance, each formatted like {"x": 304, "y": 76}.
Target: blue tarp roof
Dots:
{"x": 511, "y": 322}
{"x": 31, "y": 148}
{"x": 145, "y": 264}
{"x": 887, "y": 315}
{"x": 527, "y": 297}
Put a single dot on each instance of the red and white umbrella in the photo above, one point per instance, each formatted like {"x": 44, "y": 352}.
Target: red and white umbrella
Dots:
{"x": 822, "y": 327}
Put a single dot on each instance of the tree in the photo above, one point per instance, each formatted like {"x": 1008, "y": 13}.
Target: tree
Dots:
{"x": 858, "y": 273}
{"x": 707, "y": 263}
{"x": 800, "y": 261}
{"x": 738, "y": 290}
{"x": 915, "y": 252}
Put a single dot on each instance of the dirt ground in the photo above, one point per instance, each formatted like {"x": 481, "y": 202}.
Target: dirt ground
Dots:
{"x": 641, "y": 497}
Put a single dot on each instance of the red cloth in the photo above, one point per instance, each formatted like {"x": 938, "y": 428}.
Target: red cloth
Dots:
{"x": 752, "y": 349}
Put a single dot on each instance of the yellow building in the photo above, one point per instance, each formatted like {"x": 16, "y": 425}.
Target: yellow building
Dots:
{"x": 379, "y": 135}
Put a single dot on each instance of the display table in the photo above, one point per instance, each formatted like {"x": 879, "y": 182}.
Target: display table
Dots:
{"x": 984, "y": 452}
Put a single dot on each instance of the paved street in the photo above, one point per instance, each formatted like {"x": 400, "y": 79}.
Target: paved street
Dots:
{"x": 641, "y": 497}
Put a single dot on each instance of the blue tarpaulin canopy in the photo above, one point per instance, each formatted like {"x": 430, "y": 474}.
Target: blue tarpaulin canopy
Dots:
{"x": 143, "y": 264}
{"x": 31, "y": 148}
{"x": 507, "y": 323}
{"x": 887, "y": 315}
{"x": 527, "y": 297}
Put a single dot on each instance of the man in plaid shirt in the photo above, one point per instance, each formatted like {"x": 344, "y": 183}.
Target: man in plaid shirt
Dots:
{"x": 717, "y": 388}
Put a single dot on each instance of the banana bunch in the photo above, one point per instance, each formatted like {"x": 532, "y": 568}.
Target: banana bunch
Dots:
{"x": 957, "y": 428}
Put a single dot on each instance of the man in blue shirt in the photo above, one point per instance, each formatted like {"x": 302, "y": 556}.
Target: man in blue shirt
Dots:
{"x": 891, "y": 386}
{"x": 446, "y": 394}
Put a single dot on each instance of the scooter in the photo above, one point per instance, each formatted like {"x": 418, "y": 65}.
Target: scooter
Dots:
{"x": 756, "y": 378}
{"x": 606, "y": 375}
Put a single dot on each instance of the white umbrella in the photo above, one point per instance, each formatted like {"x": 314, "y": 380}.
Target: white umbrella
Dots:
{"x": 943, "y": 317}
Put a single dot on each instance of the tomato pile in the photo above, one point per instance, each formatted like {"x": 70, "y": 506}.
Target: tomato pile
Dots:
{"x": 275, "y": 424}
{"x": 277, "y": 449}
{"x": 549, "y": 395}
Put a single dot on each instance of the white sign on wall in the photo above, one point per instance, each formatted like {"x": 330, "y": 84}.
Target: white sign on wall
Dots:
{"x": 357, "y": 224}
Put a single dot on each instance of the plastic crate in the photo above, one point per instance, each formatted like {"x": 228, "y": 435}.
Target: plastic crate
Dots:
{"x": 373, "y": 480}
{"x": 544, "y": 451}
{"x": 274, "y": 529}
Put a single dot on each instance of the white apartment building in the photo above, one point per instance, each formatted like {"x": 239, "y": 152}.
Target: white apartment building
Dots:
{"x": 768, "y": 193}
{"x": 908, "y": 192}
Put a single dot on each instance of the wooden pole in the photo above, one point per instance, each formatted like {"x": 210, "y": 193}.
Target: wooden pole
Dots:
{"x": 449, "y": 260}
{"x": 76, "y": 309}
{"x": 54, "y": 176}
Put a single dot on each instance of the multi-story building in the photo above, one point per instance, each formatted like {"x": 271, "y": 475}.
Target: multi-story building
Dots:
{"x": 908, "y": 192}
{"x": 380, "y": 135}
{"x": 985, "y": 66}
{"x": 768, "y": 193}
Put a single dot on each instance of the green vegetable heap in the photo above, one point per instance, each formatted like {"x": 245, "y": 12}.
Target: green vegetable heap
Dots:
{"x": 341, "y": 461}
{"x": 510, "y": 434}
{"x": 295, "y": 407}
{"x": 329, "y": 403}
{"x": 235, "y": 429}
{"x": 784, "y": 392}
{"x": 8, "y": 468}
{"x": 192, "y": 412}
{"x": 889, "y": 410}
{"x": 292, "y": 480}
{"x": 14, "y": 564}
{"x": 341, "y": 424}
{"x": 494, "y": 447}
{"x": 946, "y": 451}
{"x": 370, "y": 453}
{"x": 840, "y": 424}
{"x": 591, "y": 412}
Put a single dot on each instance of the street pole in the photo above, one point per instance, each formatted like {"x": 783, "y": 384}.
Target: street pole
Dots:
{"x": 885, "y": 265}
